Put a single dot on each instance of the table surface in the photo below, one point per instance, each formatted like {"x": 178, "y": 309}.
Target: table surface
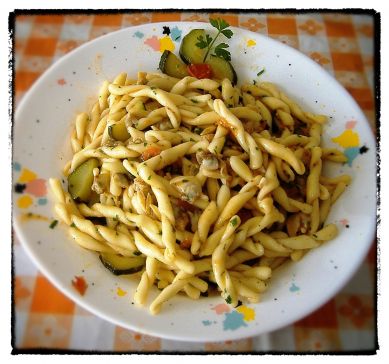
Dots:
{"x": 343, "y": 44}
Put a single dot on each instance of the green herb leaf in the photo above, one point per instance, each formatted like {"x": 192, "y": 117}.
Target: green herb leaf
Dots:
{"x": 234, "y": 221}
{"x": 221, "y": 52}
{"x": 262, "y": 71}
{"x": 219, "y": 24}
{"x": 228, "y": 33}
{"x": 229, "y": 299}
{"x": 214, "y": 23}
{"x": 204, "y": 43}
{"x": 53, "y": 224}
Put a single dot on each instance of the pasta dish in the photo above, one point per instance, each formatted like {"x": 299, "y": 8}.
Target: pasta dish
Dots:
{"x": 197, "y": 185}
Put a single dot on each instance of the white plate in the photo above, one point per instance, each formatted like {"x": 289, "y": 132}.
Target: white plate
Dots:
{"x": 41, "y": 147}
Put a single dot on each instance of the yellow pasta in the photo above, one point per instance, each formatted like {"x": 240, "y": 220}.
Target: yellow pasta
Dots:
{"x": 205, "y": 181}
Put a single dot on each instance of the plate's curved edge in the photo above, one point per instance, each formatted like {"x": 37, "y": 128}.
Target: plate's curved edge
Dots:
{"x": 77, "y": 299}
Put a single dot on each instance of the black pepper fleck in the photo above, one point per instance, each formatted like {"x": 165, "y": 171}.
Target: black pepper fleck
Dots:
{"x": 347, "y": 226}
{"x": 363, "y": 149}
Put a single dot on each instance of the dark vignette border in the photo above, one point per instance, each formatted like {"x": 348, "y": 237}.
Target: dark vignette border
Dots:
{"x": 377, "y": 93}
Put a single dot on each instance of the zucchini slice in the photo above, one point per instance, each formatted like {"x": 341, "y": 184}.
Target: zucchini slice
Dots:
{"x": 81, "y": 179}
{"x": 118, "y": 264}
{"x": 119, "y": 131}
{"x": 171, "y": 65}
{"x": 222, "y": 69}
{"x": 189, "y": 52}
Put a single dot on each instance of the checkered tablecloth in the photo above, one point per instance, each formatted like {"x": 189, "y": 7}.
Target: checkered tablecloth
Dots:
{"x": 343, "y": 44}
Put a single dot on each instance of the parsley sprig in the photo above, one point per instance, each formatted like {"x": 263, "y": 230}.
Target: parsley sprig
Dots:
{"x": 221, "y": 49}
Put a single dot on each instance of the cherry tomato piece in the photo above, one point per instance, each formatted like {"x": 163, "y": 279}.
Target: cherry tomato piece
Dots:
{"x": 150, "y": 152}
{"x": 201, "y": 70}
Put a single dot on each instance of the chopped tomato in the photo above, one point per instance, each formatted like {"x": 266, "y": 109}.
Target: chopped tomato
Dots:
{"x": 80, "y": 284}
{"x": 150, "y": 152}
{"x": 186, "y": 243}
{"x": 201, "y": 70}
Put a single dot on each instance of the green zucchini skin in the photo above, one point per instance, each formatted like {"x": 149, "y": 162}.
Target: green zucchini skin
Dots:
{"x": 189, "y": 52}
{"x": 119, "y": 265}
{"x": 171, "y": 65}
{"x": 222, "y": 69}
{"x": 81, "y": 179}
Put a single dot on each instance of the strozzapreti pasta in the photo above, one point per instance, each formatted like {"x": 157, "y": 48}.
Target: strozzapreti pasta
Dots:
{"x": 196, "y": 185}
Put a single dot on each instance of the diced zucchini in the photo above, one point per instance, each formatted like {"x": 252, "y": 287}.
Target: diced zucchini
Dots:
{"x": 119, "y": 264}
{"x": 190, "y": 53}
{"x": 119, "y": 131}
{"x": 171, "y": 65}
{"x": 81, "y": 179}
{"x": 222, "y": 69}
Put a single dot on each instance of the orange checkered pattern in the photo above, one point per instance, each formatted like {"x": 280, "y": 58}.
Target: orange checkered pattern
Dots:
{"x": 343, "y": 44}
